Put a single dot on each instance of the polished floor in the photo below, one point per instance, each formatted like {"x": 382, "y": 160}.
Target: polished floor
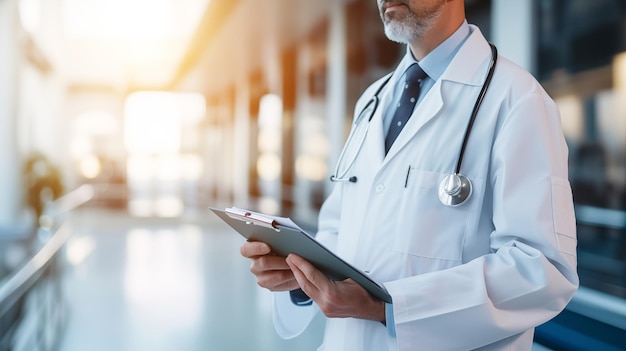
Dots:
{"x": 157, "y": 284}
{"x": 165, "y": 284}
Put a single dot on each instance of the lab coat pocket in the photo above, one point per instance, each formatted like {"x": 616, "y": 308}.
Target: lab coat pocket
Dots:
{"x": 425, "y": 227}
{"x": 563, "y": 215}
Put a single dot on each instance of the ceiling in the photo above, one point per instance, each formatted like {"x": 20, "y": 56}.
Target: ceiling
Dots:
{"x": 181, "y": 44}
{"x": 237, "y": 36}
{"x": 249, "y": 35}
{"x": 152, "y": 44}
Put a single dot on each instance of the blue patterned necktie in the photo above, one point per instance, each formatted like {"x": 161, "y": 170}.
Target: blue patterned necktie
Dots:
{"x": 411, "y": 92}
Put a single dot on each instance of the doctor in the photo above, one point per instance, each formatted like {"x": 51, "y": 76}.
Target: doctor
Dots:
{"x": 478, "y": 272}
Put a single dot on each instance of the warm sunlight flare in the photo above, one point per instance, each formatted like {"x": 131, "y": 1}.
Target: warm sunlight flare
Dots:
{"x": 137, "y": 37}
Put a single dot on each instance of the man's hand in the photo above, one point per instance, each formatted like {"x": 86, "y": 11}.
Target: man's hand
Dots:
{"x": 272, "y": 272}
{"x": 336, "y": 299}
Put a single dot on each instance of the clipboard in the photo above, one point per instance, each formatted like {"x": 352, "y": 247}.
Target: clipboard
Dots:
{"x": 285, "y": 237}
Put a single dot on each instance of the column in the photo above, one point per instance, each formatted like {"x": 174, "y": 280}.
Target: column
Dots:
{"x": 241, "y": 151}
{"x": 271, "y": 115}
{"x": 10, "y": 165}
{"x": 336, "y": 82}
{"x": 513, "y": 31}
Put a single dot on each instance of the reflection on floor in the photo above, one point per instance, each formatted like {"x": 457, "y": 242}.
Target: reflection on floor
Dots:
{"x": 165, "y": 284}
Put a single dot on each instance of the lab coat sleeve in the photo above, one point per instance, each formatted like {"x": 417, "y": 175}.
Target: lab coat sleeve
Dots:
{"x": 530, "y": 274}
{"x": 289, "y": 319}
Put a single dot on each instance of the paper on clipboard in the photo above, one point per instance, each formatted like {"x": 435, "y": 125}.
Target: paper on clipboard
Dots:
{"x": 284, "y": 237}
{"x": 262, "y": 219}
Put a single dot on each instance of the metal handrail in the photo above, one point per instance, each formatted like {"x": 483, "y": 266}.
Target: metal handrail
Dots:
{"x": 599, "y": 216}
{"x": 64, "y": 204}
{"x": 602, "y": 307}
{"x": 16, "y": 285}
{"x": 22, "y": 280}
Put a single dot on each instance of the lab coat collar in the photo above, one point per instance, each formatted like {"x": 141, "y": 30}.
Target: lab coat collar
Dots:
{"x": 466, "y": 66}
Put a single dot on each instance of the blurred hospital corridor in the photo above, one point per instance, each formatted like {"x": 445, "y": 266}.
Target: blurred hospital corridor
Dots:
{"x": 164, "y": 284}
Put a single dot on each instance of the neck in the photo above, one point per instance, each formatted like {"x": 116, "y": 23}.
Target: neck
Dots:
{"x": 450, "y": 20}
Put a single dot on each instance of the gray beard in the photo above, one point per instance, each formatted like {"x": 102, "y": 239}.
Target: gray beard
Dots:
{"x": 403, "y": 33}
{"x": 408, "y": 28}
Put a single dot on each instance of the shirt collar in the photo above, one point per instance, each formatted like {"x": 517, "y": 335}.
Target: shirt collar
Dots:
{"x": 436, "y": 62}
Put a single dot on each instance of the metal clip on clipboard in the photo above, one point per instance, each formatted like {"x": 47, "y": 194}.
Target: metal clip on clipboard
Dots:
{"x": 252, "y": 218}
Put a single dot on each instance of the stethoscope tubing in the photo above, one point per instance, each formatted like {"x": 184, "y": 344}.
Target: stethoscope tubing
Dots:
{"x": 336, "y": 177}
{"x": 479, "y": 102}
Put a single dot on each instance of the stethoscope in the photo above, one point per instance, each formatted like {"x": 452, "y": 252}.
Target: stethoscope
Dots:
{"x": 455, "y": 188}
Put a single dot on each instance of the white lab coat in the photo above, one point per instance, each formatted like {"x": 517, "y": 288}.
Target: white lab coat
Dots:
{"x": 478, "y": 276}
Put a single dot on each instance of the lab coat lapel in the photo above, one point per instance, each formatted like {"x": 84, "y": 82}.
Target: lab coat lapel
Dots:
{"x": 465, "y": 68}
{"x": 424, "y": 112}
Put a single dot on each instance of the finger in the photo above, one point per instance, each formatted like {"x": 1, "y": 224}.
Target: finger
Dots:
{"x": 277, "y": 280}
{"x": 312, "y": 274}
{"x": 311, "y": 280}
{"x": 251, "y": 249}
{"x": 287, "y": 286}
{"x": 273, "y": 273}
{"x": 262, "y": 264}
{"x": 303, "y": 282}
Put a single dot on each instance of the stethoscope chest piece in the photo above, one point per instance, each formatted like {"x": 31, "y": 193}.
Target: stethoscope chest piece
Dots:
{"x": 454, "y": 189}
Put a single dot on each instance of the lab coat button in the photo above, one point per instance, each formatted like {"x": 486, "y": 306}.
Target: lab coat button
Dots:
{"x": 380, "y": 188}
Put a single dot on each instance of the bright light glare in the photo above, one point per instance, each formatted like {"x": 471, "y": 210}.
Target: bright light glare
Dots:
{"x": 96, "y": 123}
{"x": 162, "y": 206}
{"x": 80, "y": 146}
{"x": 268, "y": 205}
{"x": 167, "y": 168}
{"x": 269, "y": 140}
{"x": 139, "y": 168}
{"x": 30, "y": 14}
{"x": 153, "y": 120}
{"x": 168, "y": 206}
{"x": 571, "y": 109}
{"x": 317, "y": 144}
{"x": 140, "y": 207}
{"x": 611, "y": 129}
{"x": 311, "y": 168}
{"x": 269, "y": 166}
{"x": 127, "y": 42}
{"x": 131, "y": 19}
{"x": 163, "y": 283}
{"x": 152, "y": 125}
{"x": 79, "y": 248}
{"x": 619, "y": 71}
{"x": 90, "y": 166}
{"x": 191, "y": 167}
{"x": 270, "y": 111}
